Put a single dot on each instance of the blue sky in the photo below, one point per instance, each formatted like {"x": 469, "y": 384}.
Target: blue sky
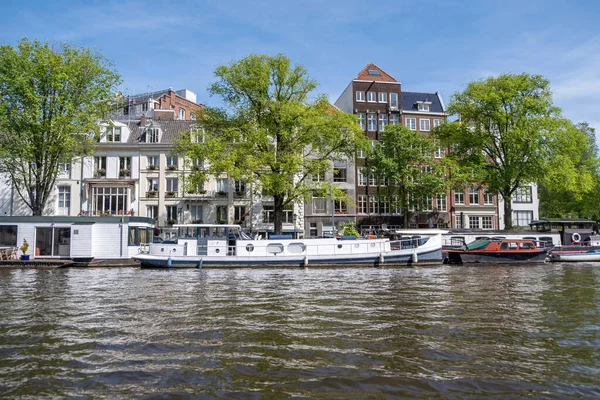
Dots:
{"x": 428, "y": 45}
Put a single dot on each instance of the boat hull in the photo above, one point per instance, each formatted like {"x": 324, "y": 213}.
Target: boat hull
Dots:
{"x": 461, "y": 257}
{"x": 576, "y": 257}
{"x": 392, "y": 258}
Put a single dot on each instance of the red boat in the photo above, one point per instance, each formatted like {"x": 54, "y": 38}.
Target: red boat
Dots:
{"x": 498, "y": 251}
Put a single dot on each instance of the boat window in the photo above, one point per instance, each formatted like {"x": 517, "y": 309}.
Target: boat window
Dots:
{"x": 527, "y": 245}
{"x": 274, "y": 248}
{"x": 504, "y": 246}
{"x": 547, "y": 240}
{"x": 296, "y": 248}
{"x": 512, "y": 245}
{"x": 8, "y": 235}
{"x": 457, "y": 240}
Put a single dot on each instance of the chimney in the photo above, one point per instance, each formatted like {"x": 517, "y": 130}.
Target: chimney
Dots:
{"x": 143, "y": 120}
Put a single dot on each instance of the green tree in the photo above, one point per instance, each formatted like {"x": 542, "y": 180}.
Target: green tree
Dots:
{"x": 51, "y": 100}
{"x": 405, "y": 158}
{"x": 510, "y": 134}
{"x": 582, "y": 152}
{"x": 272, "y": 133}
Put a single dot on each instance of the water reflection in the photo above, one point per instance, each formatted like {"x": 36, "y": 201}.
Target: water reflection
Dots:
{"x": 497, "y": 331}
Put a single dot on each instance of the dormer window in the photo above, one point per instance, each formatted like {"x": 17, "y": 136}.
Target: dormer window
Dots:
{"x": 423, "y": 105}
{"x": 152, "y": 135}
{"x": 113, "y": 134}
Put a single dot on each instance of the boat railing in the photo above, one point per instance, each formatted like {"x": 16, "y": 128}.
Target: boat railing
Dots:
{"x": 408, "y": 243}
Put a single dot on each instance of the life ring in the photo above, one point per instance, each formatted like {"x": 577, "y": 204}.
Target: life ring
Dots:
{"x": 575, "y": 238}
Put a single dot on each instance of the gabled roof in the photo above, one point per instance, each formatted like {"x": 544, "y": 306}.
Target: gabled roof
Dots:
{"x": 373, "y": 73}
{"x": 170, "y": 130}
{"x": 410, "y": 99}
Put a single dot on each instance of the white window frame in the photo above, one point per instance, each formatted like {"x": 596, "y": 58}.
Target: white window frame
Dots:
{"x": 371, "y": 97}
{"x": 437, "y": 122}
{"x": 393, "y": 99}
{"x": 383, "y": 121}
{"x": 394, "y": 119}
{"x": 411, "y": 123}
{"x": 362, "y": 120}
{"x": 459, "y": 198}
{"x": 383, "y": 97}
{"x": 371, "y": 122}
{"x": 439, "y": 151}
{"x": 424, "y": 124}
{"x": 423, "y": 107}
{"x": 474, "y": 197}
{"x": 360, "y": 96}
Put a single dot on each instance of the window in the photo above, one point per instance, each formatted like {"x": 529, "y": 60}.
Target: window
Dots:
{"x": 396, "y": 206}
{"x": 441, "y": 204}
{"x": 487, "y": 223}
{"x": 383, "y": 97}
{"x": 360, "y": 153}
{"x": 152, "y": 184}
{"x": 394, "y": 119}
{"x": 181, "y": 113}
{"x": 100, "y": 166}
{"x": 372, "y": 178}
{"x": 411, "y": 123}
{"x": 172, "y": 162}
{"x": 474, "y": 196}
{"x": 110, "y": 200}
{"x": 362, "y": 204}
{"x": 372, "y": 120}
{"x": 384, "y": 206}
{"x": 239, "y": 214}
{"x": 371, "y": 97}
{"x": 339, "y": 174}
{"x": 522, "y": 195}
{"x": 319, "y": 205}
{"x": 362, "y": 177}
{"x": 383, "y": 120}
{"x": 144, "y": 106}
{"x": 459, "y": 198}
{"x": 172, "y": 185}
{"x": 394, "y": 100}
{"x": 423, "y": 107}
{"x": 360, "y": 95}
{"x": 473, "y": 222}
{"x": 8, "y": 235}
{"x": 427, "y": 204}
{"x": 138, "y": 235}
{"x": 313, "y": 230}
{"x": 436, "y": 122}
{"x": 458, "y": 221}
{"x": 64, "y": 197}
{"x": 197, "y": 135}
{"x": 153, "y": 162}
{"x": 424, "y": 124}
{"x": 152, "y": 135}
{"x": 124, "y": 166}
{"x": 196, "y": 213}
{"x": 374, "y": 72}
{"x": 171, "y": 213}
{"x": 340, "y": 207}
{"x": 362, "y": 120}
{"x": 222, "y": 185}
{"x": 522, "y": 218}
{"x": 373, "y": 205}
{"x": 439, "y": 151}
{"x": 318, "y": 177}
{"x": 268, "y": 213}
{"x": 152, "y": 212}
{"x": 64, "y": 169}
{"x": 240, "y": 186}
{"x": 488, "y": 198}
{"x": 113, "y": 134}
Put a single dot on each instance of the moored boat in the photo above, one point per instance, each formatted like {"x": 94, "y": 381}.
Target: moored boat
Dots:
{"x": 498, "y": 251}
{"x": 589, "y": 256}
{"x": 205, "y": 245}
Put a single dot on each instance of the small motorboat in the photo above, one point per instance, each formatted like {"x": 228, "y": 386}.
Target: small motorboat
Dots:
{"x": 591, "y": 255}
{"x": 498, "y": 251}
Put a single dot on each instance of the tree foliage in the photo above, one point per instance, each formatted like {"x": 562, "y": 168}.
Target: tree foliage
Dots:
{"x": 405, "y": 158}
{"x": 50, "y": 101}
{"x": 510, "y": 134}
{"x": 272, "y": 134}
{"x": 581, "y": 151}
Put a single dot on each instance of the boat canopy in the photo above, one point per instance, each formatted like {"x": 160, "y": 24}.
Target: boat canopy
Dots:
{"x": 478, "y": 244}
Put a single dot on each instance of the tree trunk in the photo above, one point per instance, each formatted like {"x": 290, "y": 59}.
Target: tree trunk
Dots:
{"x": 278, "y": 210}
{"x": 508, "y": 224}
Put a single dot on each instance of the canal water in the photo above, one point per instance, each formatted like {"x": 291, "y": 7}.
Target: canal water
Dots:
{"x": 442, "y": 332}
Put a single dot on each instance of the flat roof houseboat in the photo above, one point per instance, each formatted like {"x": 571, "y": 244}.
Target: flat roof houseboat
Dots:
{"x": 205, "y": 245}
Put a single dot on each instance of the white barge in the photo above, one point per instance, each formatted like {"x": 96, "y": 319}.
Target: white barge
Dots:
{"x": 205, "y": 245}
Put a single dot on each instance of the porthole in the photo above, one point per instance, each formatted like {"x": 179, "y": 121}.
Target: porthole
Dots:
{"x": 275, "y": 248}
{"x": 162, "y": 249}
{"x": 296, "y": 248}
{"x": 249, "y": 248}
{"x": 372, "y": 244}
{"x": 356, "y": 245}
{"x": 339, "y": 246}
{"x": 217, "y": 251}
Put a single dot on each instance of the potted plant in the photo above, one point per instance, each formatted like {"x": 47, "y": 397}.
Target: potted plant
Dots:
{"x": 24, "y": 248}
{"x": 124, "y": 172}
{"x": 101, "y": 172}
{"x": 221, "y": 193}
{"x": 151, "y": 193}
{"x": 170, "y": 193}
{"x": 171, "y": 221}
{"x": 172, "y": 167}
{"x": 197, "y": 221}
{"x": 152, "y": 167}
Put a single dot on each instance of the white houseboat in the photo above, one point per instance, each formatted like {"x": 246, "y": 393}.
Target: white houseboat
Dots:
{"x": 77, "y": 238}
{"x": 206, "y": 245}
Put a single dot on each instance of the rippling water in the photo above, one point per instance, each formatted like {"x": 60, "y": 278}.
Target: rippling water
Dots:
{"x": 451, "y": 332}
